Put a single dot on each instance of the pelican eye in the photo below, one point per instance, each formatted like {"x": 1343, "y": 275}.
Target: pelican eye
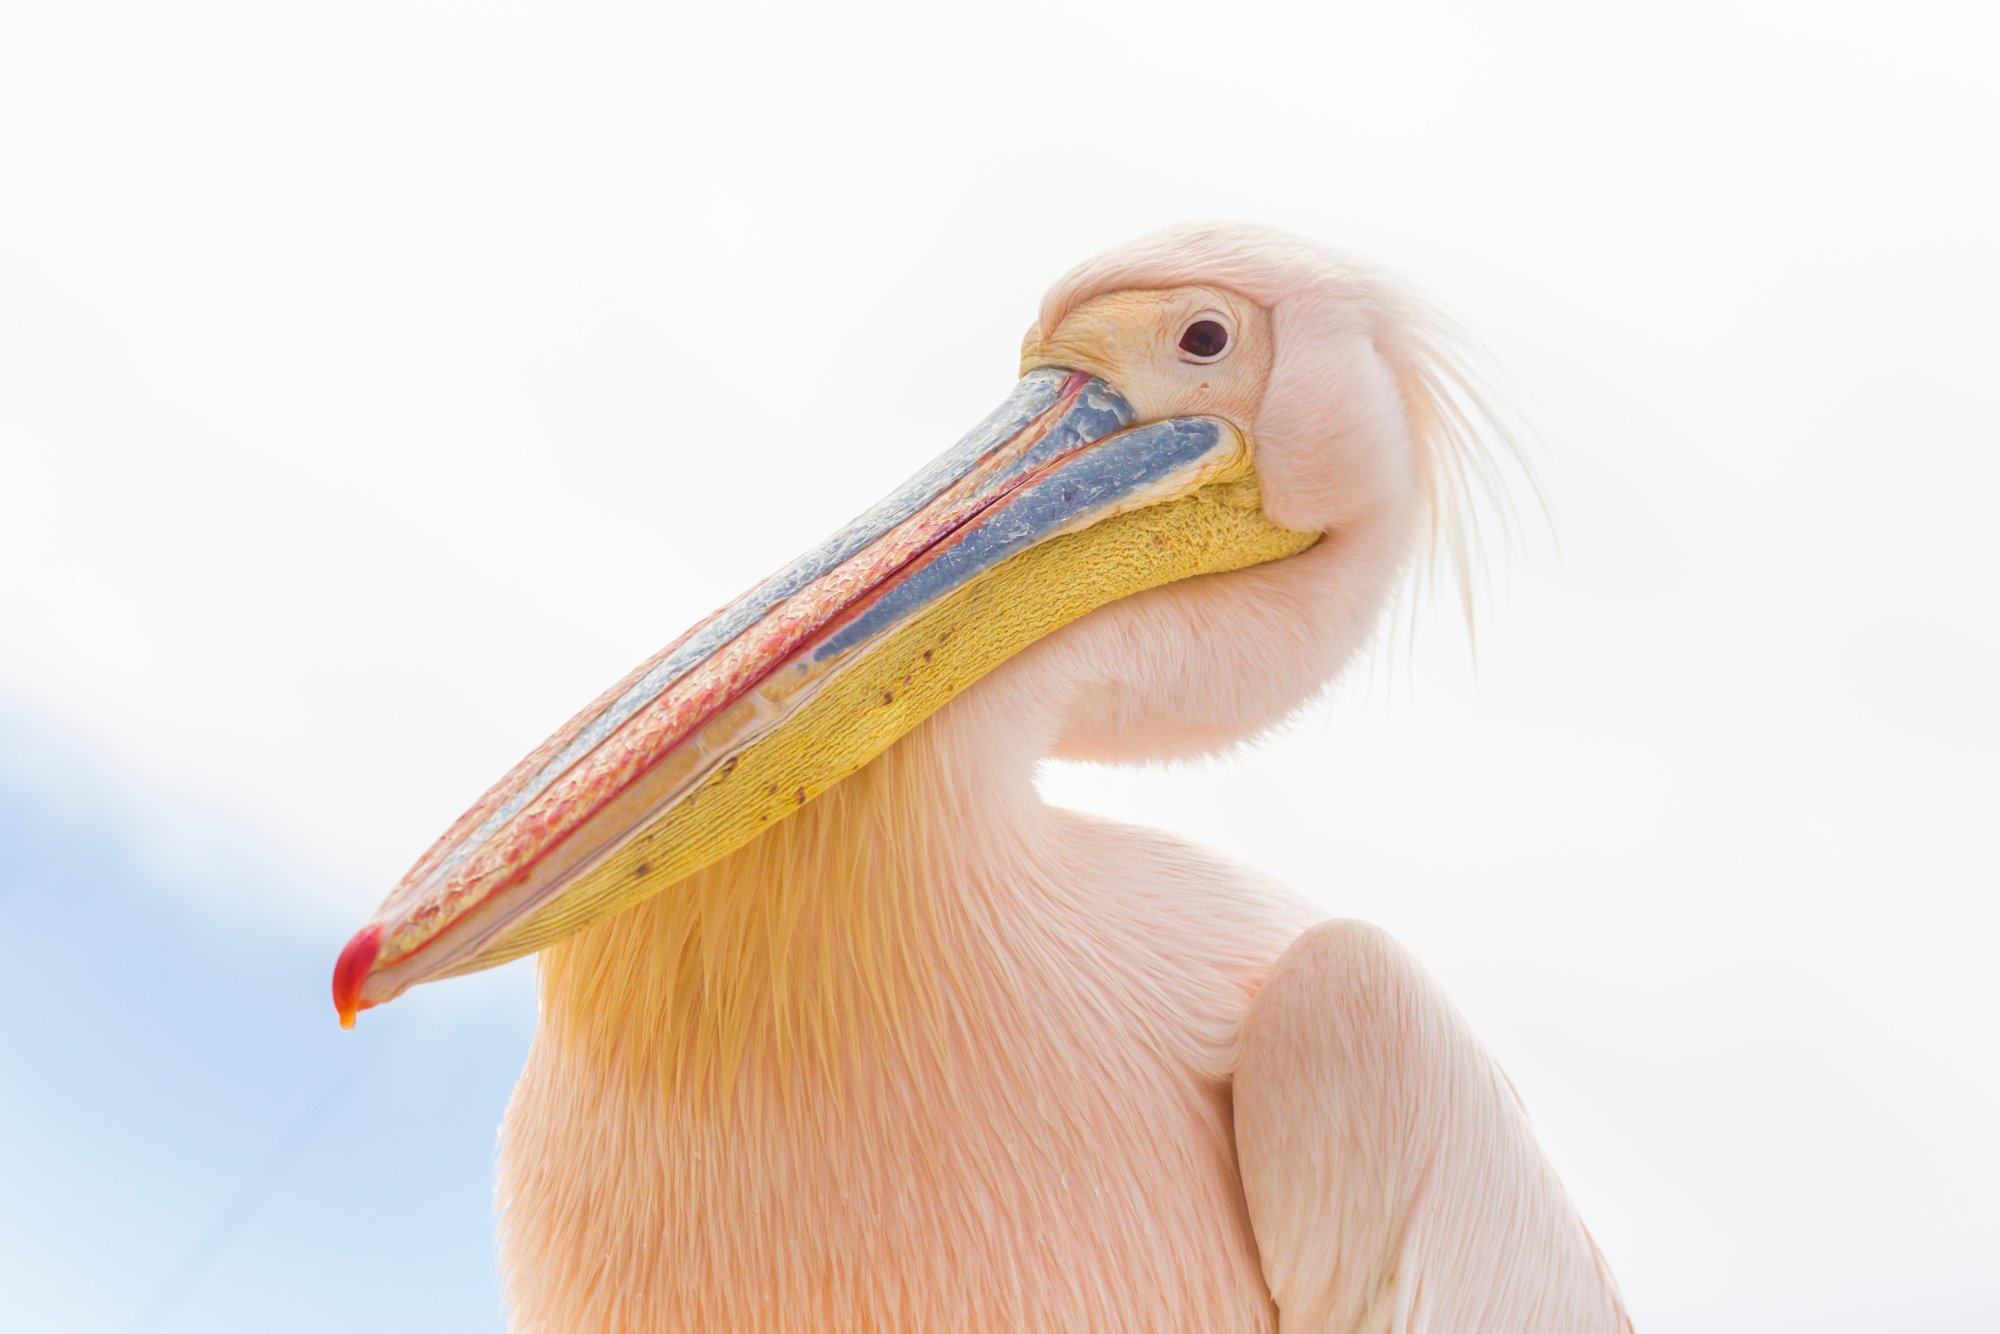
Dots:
{"x": 1205, "y": 340}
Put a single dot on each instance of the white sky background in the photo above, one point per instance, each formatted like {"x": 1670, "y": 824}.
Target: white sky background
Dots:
{"x": 377, "y": 382}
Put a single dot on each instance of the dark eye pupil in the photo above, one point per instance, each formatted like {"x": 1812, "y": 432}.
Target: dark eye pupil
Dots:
{"x": 1204, "y": 338}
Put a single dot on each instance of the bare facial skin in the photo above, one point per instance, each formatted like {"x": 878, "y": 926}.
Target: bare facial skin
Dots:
{"x": 1133, "y": 341}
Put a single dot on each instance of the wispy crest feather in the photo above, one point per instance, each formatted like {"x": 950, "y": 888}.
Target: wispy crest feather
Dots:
{"x": 1464, "y": 430}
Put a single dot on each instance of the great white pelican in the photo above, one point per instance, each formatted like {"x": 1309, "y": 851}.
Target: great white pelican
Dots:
{"x": 843, "y": 1027}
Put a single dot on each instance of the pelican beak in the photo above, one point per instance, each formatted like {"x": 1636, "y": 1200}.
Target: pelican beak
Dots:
{"x": 1054, "y": 505}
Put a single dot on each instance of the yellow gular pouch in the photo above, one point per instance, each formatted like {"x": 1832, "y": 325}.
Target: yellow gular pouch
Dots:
{"x": 905, "y": 676}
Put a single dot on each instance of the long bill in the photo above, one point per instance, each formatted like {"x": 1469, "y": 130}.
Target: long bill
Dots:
{"x": 1054, "y": 505}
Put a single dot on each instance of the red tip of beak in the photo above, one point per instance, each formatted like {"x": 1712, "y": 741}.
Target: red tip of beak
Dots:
{"x": 352, "y": 971}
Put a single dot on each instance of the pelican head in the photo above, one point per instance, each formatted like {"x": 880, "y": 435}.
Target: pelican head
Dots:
{"x": 1217, "y": 463}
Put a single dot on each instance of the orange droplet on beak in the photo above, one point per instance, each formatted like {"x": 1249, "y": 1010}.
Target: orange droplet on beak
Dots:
{"x": 352, "y": 971}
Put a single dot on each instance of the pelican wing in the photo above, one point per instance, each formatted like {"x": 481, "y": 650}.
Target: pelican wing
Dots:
{"x": 1392, "y": 1178}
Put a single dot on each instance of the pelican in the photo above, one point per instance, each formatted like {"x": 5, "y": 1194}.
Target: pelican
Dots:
{"x": 843, "y": 1027}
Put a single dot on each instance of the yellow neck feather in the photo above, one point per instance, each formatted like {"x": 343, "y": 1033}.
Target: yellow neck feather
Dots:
{"x": 786, "y": 957}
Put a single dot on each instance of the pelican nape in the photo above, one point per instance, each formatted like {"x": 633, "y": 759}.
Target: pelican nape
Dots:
{"x": 843, "y": 1027}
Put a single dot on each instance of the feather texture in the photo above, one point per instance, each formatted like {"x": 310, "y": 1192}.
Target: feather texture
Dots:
{"x": 1392, "y": 1178}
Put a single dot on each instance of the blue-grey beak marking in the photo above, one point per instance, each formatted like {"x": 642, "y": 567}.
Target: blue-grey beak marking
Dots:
{"x": 1074, "y": 492}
